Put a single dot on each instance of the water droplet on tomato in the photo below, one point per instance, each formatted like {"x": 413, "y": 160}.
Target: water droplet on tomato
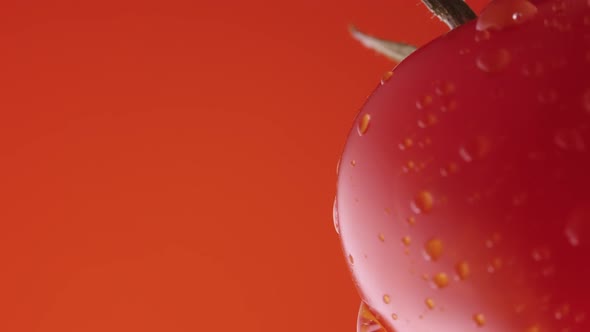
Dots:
{"x": 557, "y": 24}
{"x": 586, "y": 100}
{"x": 433, "y": 249}
{"x": 562, "y": 311}
{"x": 351, "y": 259}
{"x": 386, "y": 77}
{"x": 462, "y": 269}
{"x": 363, "y": 125}
{"x": 386, "y": 299}
{"x": 367, "y": 322}
{"x": 450, "y": 168}
{"x": 547, "y": 96}
{"x": 558, "y": 7}
{"x": 394, "y": 316}
{"x": 548, "y": 271}
{"x": 423, "y": 202}
{"x": 428, "y": 121}
{"x": 424, "y": 102}
{"x": 448, "y": 105}
{"x": 572, "y": 236}
{"x": 496, "y": 264}
{"x": 482, "y": 35}
{"x": 534, "y": 69}
{"x": 440, "y": 280}
{"x": 569, "y": 140}
{"x": 381, "y": 237}
{"x": 465, "y": 154}
{"x": 406, "y": 143}
{"x": 335, "y": 217}
{"x": 541, "y": 254}
{"x": 534, "y": 328}
{"x": 444, "y": 88}
{"x": 479, "y": 319}
{"x": 411, "y": 220}
{"x": 430, "y": 303}
{"x": 406, "y": 240}
{"x": 492, "y": 61}
{"x": 479, "y": 148}
{"x": 500, "y": 14}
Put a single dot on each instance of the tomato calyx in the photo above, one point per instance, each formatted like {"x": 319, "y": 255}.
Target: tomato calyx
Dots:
{"x": 453, "y": 13}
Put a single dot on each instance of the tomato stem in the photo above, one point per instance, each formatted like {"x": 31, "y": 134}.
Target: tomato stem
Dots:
{"x": 452, "y": 12}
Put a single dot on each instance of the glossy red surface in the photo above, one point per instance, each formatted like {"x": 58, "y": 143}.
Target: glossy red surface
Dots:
{"x": 463, "y": 199}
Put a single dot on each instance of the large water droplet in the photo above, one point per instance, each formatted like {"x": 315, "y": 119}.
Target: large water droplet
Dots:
{"x": 423, "y": 202}
{"x": 363, "y": 125}
{"x": 433, "y": 249}
{"x": 500, "y": 14}
{"x": 335, "y": 217}
{"x": 492, "y": 61}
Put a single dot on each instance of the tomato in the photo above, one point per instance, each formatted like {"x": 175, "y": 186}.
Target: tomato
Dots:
{"x": 463, "y": 191}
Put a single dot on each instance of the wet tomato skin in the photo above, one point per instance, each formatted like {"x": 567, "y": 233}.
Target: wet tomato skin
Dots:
{"x": 463, "y": 194}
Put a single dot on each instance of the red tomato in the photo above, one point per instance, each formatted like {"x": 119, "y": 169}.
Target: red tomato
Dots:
{"x": 463, "y": 198}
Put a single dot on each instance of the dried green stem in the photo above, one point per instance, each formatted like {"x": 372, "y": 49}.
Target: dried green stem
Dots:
{"x": 452, "y": 12}
{"x": 395, "y": 51}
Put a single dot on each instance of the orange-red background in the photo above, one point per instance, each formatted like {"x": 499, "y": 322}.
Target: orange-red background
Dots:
{"x": 170, "y": 165}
